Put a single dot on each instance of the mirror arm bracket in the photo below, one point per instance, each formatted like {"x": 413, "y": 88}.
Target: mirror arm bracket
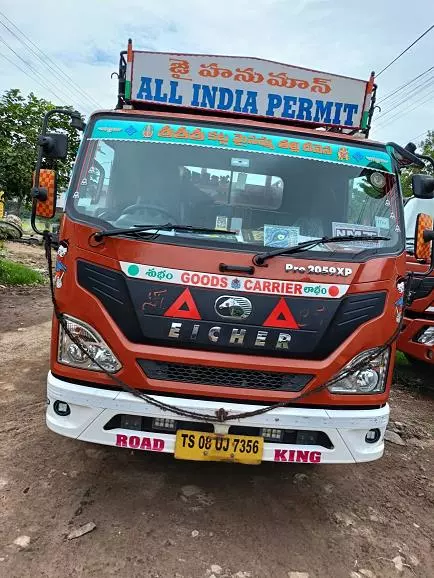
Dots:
{"x": 39, "y": 193}
{"x": 426, "y": 158}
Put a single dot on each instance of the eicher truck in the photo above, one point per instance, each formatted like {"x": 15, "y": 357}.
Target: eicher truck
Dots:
{"x": 230, "y": 275}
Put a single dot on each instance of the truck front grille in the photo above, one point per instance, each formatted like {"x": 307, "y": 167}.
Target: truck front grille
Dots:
{"x": 224, "y": 376}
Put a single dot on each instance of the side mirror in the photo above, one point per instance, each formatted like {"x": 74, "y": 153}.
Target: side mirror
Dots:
{"x": 423, "y": 186}
{"x": 405, "y": 157}
{"x": 46, "y": 199}
{"x": 423, "y": 237}
{"x": 54, "y": 146}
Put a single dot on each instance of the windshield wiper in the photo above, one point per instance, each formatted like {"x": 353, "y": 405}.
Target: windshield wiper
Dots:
{"x": 260, "y": 258}
{"x": 153, "y": 230}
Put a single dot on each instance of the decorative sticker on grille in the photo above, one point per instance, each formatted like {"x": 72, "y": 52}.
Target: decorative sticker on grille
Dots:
{"x": 246, "y": 284}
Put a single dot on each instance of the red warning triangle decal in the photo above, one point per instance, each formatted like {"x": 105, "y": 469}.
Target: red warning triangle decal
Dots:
{"x": 281, "y": 316}
{"x": 183, "y": 307}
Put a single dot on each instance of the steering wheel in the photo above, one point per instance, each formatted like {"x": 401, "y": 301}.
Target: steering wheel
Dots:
{"x": 142, "y": 208}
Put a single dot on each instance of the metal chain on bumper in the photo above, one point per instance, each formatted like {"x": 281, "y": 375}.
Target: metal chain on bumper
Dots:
{"x": 221, "y": 415}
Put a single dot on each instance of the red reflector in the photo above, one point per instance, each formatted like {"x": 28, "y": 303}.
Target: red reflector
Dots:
{"x": 183, "y": 307}
{"x": 281, "y": 316}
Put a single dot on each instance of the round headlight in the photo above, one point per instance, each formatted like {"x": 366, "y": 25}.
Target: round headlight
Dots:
{"x": 367, "y": 379}
{"x": 76, "y": 354}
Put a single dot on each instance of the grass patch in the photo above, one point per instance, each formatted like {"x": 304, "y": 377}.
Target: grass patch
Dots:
{"x": 401, "y": 360}
{"x": 12, "y": 273}
{"x": 41, "y": 224}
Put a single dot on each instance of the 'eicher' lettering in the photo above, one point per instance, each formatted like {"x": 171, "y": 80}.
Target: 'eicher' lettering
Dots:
{"x": 236, "y": 337}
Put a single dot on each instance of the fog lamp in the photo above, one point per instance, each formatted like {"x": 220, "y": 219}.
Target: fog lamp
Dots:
{"x": 131, "y": 422}
{"x": 162, "y": 423}
{"x": 272, "y": 435}
{"x": 373, "y": 436}
{"x": 61, "y": 408}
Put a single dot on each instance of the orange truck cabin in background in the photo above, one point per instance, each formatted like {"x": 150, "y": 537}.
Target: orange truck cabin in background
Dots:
{"x": 231, "y": 274}
{"x": 417, "y": 337}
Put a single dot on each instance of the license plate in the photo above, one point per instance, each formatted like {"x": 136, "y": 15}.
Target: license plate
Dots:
{"x": 201, "y": 446}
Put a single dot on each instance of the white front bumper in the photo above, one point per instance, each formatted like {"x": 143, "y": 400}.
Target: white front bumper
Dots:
{"x": 92, "y": 408}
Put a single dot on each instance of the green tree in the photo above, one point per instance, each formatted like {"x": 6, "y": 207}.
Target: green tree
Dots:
{"x": 426, "y": 147}
{"x": 20, "y": 125}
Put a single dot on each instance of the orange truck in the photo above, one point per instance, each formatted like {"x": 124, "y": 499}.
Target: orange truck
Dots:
{"x": 417, "y": 337}
{"x": 230, "y": 275}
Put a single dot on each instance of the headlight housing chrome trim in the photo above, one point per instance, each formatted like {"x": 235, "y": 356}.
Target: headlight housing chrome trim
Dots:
{"x": 369, "y": 378}
{"x": 68, "y": 353}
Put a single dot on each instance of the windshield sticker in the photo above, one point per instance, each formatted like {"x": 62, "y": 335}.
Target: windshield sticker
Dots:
{"x": 237, "y": 225}
{"x": 278, "y": 236}
{"x": 319, "y": 269}
{"x": 141, "y": 131}
{"x": 221, "y": 223}
{"x": 110, "y": 129}
{"x": 355, "y": 230}
{"x": 382, "y": 222}
{"x": 246, "y": 284}
{"x": 256, "y": 236}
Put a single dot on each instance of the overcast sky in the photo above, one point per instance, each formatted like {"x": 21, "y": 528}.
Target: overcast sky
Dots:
{"x": 84, "y": 38}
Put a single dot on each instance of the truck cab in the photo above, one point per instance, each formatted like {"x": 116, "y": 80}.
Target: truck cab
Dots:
{"x": 230, "y": 276}
{"x": 417, "y": 337}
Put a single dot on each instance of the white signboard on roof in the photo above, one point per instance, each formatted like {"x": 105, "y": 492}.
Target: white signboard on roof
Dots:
{"x": 248, "y": 86}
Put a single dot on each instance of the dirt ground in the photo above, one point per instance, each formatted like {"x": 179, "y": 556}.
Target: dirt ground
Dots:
{"x": 31, "y": 255}
{"x": 157, "y": 517}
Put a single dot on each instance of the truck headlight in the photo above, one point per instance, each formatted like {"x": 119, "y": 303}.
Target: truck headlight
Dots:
{"x": 70, "y": 354}
{"x": 426, "y": 336}
{"x": 370, "y": 378}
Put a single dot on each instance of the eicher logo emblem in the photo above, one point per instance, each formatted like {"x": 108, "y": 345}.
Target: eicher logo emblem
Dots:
{"x": 231, "y": 307}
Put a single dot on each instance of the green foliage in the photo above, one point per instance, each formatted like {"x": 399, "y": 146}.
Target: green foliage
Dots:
{"x": 400, "y": 359}
{"x": 20, "y": 125}
{"x": 426, "y": 147}
{"x": 12, "y": 273}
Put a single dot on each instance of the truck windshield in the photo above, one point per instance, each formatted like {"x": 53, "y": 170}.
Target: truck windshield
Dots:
{"x": 273, "y": 189}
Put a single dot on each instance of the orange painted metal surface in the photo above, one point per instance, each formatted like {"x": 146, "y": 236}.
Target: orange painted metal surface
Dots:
{"x": 375, "y": 275}
{"x": 413, "y": 325}
{"x": 378, "y": 274}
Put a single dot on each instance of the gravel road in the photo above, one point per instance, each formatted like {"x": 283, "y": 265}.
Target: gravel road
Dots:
{"x": 160, "y": 518}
